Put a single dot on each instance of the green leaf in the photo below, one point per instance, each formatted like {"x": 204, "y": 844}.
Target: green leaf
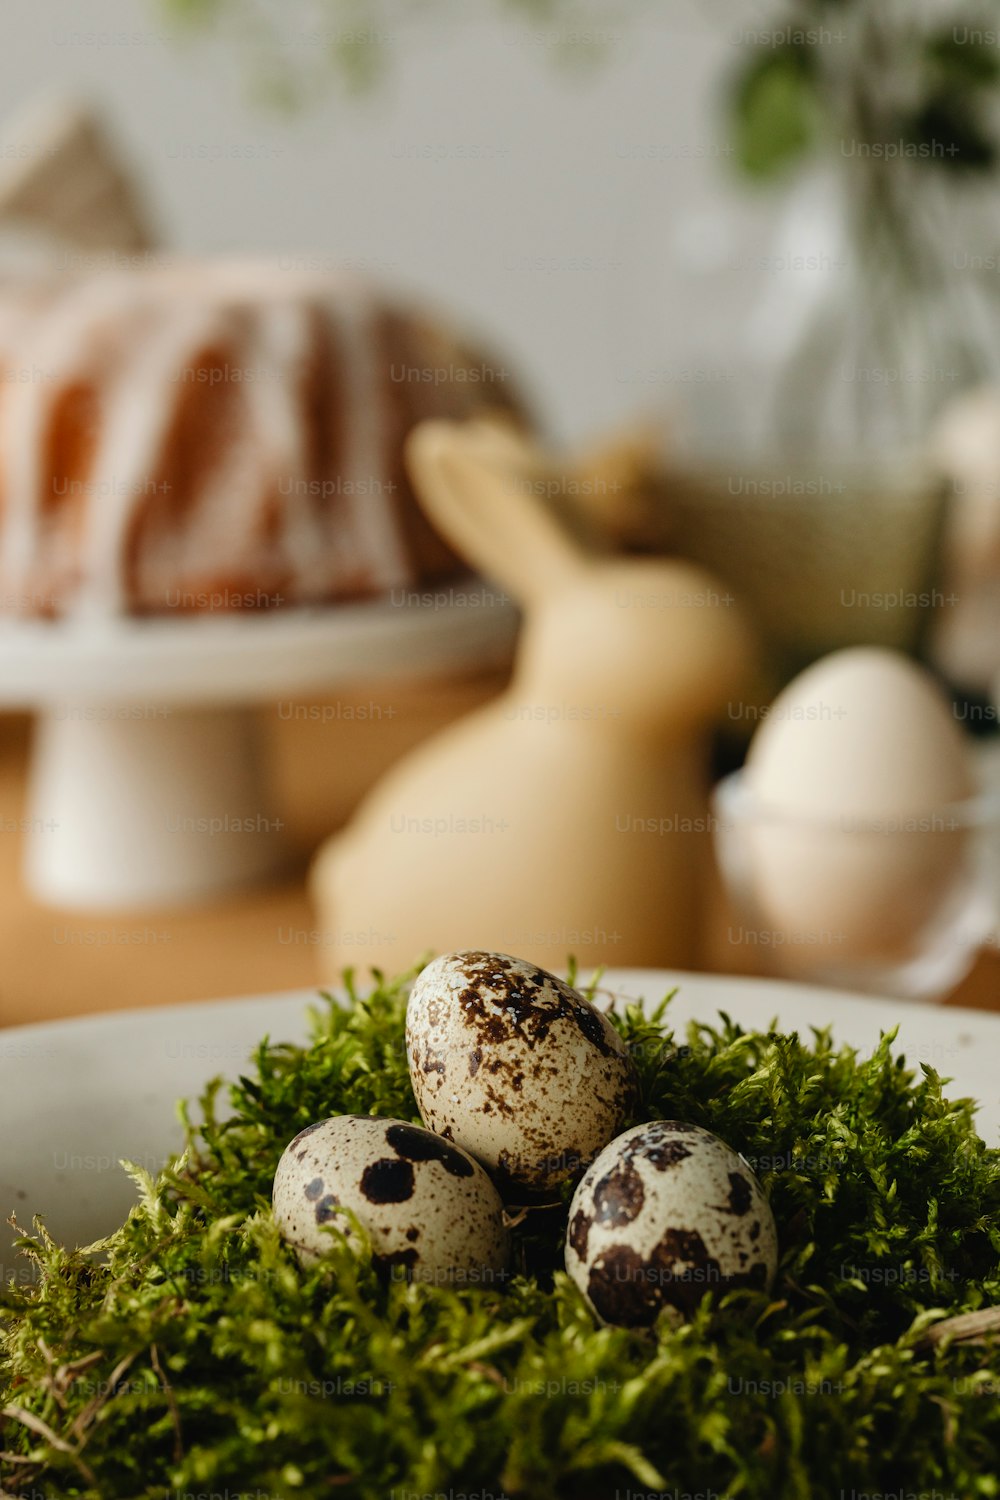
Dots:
{"x": 965, "y": 64}
{"x": 193, "y": 12}
{"x": 358, "y": 55}
{"x": 947, "y": 132}
{"x": 775, "y": 111}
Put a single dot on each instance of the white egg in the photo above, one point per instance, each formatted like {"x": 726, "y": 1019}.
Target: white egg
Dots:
{"x": 864, "y": 733}
{"x": 429, "y": 1210}
{"x": 850, "y": 849}
{"x": 516, "y": 1067}
{"x": 665, "y": 1214}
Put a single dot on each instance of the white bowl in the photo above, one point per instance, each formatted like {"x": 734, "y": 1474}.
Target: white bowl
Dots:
{"x": 77, "y": 1096}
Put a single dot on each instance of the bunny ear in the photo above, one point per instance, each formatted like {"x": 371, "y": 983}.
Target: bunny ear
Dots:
{"x": 480, "y": 484}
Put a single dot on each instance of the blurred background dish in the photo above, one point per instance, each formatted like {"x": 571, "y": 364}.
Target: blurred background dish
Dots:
{"x": 827, "y": 554}
{"x": 198, "y": 439}
{"x": 219, "y": 435}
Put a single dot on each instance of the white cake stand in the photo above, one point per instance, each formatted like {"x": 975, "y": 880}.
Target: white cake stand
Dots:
{"x": 146, "y": 782}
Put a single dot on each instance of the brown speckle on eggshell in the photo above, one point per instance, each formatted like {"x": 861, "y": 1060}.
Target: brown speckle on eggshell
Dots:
{"x": 516, "y": 1067}
{"x": 428, "y": 1208}
{"x": 666, "y": 1213}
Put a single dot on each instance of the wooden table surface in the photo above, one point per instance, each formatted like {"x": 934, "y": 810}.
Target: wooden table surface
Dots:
{"x": 54, "y": 964}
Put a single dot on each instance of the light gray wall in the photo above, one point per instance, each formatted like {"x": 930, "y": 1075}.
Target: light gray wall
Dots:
{"x": 585, "y": 236}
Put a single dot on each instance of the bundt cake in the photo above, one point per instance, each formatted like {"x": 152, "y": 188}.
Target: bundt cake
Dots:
{"x": 190, "y": 436}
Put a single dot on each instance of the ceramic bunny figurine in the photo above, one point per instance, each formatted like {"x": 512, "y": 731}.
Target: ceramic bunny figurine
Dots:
{"x": 569, "y": 815}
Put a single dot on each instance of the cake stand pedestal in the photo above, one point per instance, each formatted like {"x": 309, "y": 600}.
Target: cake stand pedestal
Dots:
{"x": 147, "y": 787}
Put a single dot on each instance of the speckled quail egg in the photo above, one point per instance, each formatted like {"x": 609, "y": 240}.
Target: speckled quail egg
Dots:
{"x": 516, "y": 1067}
{"x": 666, "y": 1213}
{"x": 428, "y": 1208}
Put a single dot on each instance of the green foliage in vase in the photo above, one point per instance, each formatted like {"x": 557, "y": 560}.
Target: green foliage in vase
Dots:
{"x": 870, "y": 78}
{"x": 775, "y": 108}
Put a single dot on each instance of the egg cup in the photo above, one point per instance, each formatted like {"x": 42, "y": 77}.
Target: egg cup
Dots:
{"x": 894, "y": 906}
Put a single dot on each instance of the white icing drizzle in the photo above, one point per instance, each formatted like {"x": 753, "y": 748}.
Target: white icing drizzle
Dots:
{"x": 218, "y": 536}
{"x": 275, "y": 412}
{"x": 132, "y": 442}
{"x": 66, "y": 356}
{"x": 15, "y": 319}
{"x": 365, "y": 459}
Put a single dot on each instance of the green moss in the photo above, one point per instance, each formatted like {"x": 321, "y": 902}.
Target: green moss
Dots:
{"x": 189, "y": 1355}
